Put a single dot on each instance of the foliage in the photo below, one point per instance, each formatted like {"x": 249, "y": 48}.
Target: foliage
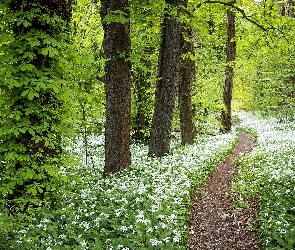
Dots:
{"x": 265, "y": 75}
{"x": 85, "y": 68}
{"x": 145, "y": 38}
{"x": 210, "y": 40}
{"x": 33, "y": 116}
{"x": 268, "y": 174}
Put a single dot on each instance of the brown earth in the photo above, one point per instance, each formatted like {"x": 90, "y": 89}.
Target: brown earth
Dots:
{"x": 215, "y": 224}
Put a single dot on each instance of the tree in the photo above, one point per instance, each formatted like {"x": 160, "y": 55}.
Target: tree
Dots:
{"x": 187, "y": 72}
{"x": 117, "y": 47}
{"x": 32, "y": 108}
{"x": 169, "y": 76}
{"x": 291, "y": 7}
{"x": 229, "y": 73}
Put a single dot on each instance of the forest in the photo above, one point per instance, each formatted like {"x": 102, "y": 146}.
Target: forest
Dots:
{"x": 120, "y": 119}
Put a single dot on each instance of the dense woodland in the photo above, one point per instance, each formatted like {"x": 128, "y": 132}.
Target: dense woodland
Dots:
{"x": 112, "y": 112}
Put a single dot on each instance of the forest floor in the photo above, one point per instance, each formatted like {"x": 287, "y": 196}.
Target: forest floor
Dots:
{"x": 215, "y": 223}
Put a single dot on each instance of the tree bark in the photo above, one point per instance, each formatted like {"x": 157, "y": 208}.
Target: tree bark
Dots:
{"x": 229, "y": 73}
{"x": 184, "y": 99}
{"x": 291, "y": 7}
{"x": 282, "y": 9}
{"x": 141, "y": 120}
{"x": 117, "y": 47}
{"x": 169, "y": 76}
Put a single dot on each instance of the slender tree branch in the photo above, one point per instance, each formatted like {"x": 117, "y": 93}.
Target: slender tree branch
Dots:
{"x": 241, "y": 11}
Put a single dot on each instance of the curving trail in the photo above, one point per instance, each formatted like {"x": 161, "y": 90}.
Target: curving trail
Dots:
{"x": 215, "y": 224}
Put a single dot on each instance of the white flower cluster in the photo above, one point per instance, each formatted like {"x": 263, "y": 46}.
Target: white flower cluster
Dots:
{"x": 270, "y": 170}
{"x": 146, "y": 205}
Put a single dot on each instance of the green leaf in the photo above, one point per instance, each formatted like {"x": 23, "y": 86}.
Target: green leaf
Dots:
{"x": 32, "y": 190}
{"x": 24, "y": 93}
{"x": 52, "y": 52}
{"x": 8, "y": 74}
{"x": 18, "y": 83}
{"x": 17, "y": 116}
{"x": 31, "y": 131}
{"x": 42, "y": 85}
{"x": 31, "y": 95}
{"x": 40, "y": 189}
{"x": 173, "y": 12}
{"x": 10, "y": 191}
{"x": 55, "y": 89}
{"x": 23, "y": 67}
{"x": 45, "y": 51}
{"x": 117, "y": 16}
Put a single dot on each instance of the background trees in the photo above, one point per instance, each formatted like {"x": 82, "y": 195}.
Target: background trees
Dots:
{"x": 145, "y": 38}
{"x": 268, "y": 56}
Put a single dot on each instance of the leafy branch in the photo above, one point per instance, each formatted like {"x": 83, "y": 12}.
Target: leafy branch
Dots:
{"x": 244, "y": 15}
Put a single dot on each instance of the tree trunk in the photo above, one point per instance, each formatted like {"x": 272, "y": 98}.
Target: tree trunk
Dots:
{"x": 142, "y": 99}
{"x": 187, "y": 78}
{"x": 229, "y": 74}
{"x": 291, "y": 7}
{"x": 117, "y": 47}
{"x": 282, "y": 9}
{"x": 169, "y": 76}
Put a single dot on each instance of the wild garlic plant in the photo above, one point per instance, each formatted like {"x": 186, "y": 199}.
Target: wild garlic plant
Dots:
{"x": 268, "y": 173}
{"x": 144, "y": 207}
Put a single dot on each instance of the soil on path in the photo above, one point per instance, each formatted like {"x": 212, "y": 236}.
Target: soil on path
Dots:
{"x": 215, "y": 224}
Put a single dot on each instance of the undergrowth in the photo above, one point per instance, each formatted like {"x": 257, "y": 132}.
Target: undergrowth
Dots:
{"x": 268, "y": 174}
{"x": 144, "y": 207}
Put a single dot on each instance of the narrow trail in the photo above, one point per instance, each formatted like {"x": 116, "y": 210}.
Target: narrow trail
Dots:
{"x": 215, "y": 224}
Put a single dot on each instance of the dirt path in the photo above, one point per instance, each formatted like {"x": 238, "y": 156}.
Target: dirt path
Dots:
{"x": 215, "y": 224}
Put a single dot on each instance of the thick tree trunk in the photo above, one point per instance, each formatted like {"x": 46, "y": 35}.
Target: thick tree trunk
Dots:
{"x": 169, "y": 76}
{"x": 117, "y": 47}
{"x": 187, "y": 78}
{"x": 229, "y": 74}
